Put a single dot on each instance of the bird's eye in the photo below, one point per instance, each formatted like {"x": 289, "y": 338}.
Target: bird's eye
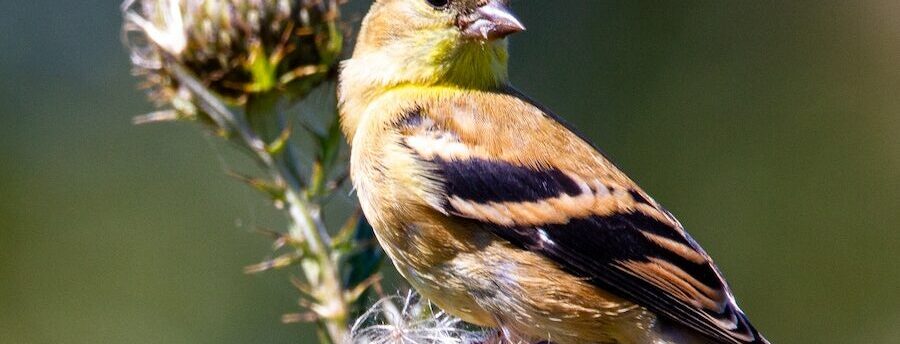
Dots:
{"x": 438, "y": 3}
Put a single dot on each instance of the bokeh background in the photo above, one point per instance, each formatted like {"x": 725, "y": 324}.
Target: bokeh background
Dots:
{"x": 769, "y": 127}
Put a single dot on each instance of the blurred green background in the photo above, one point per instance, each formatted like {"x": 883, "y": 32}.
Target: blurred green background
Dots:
{"x": 769, "y": 127}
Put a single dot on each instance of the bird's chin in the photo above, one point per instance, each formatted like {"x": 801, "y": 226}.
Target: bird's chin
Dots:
{"x": 493, "y": 45}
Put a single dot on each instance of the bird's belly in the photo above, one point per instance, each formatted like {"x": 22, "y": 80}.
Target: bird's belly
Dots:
{"x": 425, "y": 257}
{"x": 531, "y": 296}
{"x": 449, "y": 293}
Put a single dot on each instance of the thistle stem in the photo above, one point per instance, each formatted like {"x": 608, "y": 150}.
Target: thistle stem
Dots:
{"x": 319, "y": 268}
{"x": 306, "y": 226}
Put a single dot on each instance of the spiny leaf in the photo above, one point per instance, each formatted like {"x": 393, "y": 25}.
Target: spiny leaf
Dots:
{"x": 302, "y": 72}
{"x": 356, "y": 292}
{"x": 157, "y": 117}
{"x": 295, "y": 318}
{"x": 280, "y": 142}
{"x": 303, "y": 287}
{"x": 274, "y": 191}
{"x": 281, "y": 239}
{"x": 279, "y": 262}
{"x": 344, "y": 236}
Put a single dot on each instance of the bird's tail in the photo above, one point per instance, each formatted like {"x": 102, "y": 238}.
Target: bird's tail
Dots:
{"x": 670, "y": 333}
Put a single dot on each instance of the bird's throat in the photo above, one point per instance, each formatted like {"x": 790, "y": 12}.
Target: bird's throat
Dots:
{"x": 478, "y": 65}
{"x": 446, "y": 64}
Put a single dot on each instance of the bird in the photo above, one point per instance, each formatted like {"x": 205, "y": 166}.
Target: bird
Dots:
{"x": 495, "y": 209}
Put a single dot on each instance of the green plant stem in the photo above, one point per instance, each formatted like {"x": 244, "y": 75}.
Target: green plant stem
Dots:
{"x": 329, "y": 292}
{"x": 306, "y": 227}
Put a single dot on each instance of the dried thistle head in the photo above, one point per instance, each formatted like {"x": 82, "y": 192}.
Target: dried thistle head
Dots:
{"x": 237, "y": 48}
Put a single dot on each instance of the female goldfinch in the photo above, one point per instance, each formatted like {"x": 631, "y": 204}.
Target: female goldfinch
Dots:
{"x": 493, "y": 209}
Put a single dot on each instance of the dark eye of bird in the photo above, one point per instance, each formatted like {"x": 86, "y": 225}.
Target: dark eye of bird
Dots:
{"x": 438, "y": 3}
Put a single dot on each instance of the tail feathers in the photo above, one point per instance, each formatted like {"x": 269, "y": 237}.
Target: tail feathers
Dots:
{"x": 667, "y": 332}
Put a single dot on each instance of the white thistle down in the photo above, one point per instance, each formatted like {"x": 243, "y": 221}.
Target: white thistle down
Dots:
{"x": 409, "y": 320}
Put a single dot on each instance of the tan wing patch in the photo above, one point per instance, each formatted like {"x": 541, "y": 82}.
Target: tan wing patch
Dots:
{"x": 594, "y": 199}
{"x": 677, "y": 248}
{"x": 678, "y": 283}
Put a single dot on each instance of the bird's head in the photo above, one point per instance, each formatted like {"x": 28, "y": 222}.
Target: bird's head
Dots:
{"x": 434, "y": 42}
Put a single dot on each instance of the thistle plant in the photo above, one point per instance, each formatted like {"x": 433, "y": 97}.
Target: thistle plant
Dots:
{"x": 238, "y": 68}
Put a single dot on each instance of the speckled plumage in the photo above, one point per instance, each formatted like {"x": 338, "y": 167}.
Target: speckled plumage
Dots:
{"x": 496, "y": 211}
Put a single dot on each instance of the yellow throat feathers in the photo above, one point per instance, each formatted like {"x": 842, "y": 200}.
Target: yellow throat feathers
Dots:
{"x": 431, "y": 62}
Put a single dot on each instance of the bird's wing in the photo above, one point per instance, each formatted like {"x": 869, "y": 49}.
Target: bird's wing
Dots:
{"x": 577, "y": 210}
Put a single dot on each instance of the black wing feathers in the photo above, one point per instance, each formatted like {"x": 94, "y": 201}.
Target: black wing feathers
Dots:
{"x": 483, "y": 181}
{"x": 595, "y": 247}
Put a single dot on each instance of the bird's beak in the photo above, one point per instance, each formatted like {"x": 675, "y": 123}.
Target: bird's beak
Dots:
{"x": 493, "y": 20}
